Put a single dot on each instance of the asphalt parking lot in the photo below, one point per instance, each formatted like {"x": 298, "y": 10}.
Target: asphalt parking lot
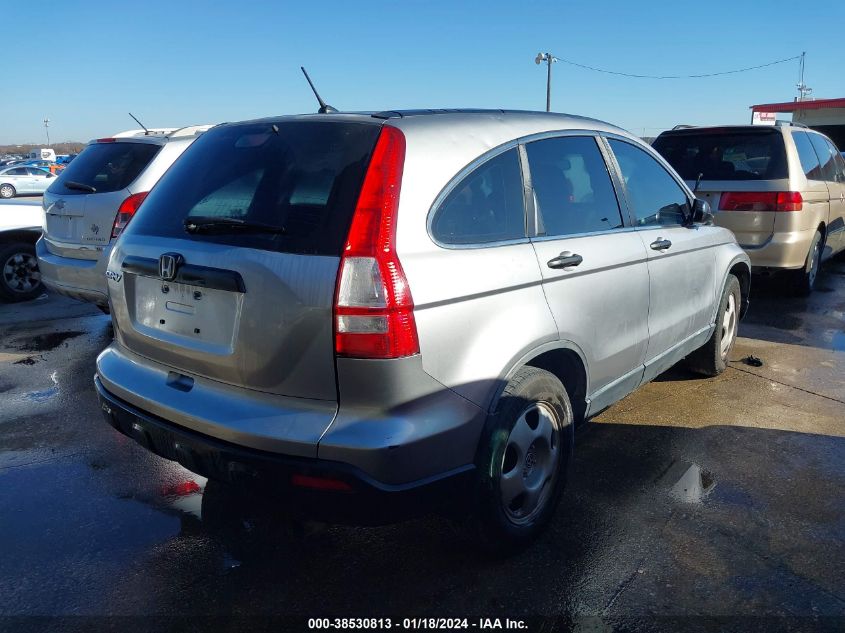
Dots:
{"x": 692, "y": 497}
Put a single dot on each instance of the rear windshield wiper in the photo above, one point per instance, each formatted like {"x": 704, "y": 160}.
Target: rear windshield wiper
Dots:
{"x": 229, "y": 225}
{"x": 79, "y": 186}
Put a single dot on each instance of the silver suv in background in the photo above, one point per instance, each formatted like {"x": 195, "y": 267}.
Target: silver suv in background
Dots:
{"x": 780, "y": 189}
{"x": 92, "y": 200}
{"x": 369, "y": 311}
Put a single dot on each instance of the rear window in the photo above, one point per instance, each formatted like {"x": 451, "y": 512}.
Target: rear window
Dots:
{"x": 304, "y": 176}
{"x": 739, "y": 155}
{"x": 106, "y": 167}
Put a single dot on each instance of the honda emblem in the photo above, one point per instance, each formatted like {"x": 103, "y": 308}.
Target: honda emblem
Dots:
{"x": 168, "y": 265}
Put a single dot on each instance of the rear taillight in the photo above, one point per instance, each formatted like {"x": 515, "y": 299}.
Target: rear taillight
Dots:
{"x": 373, "y": 311}
{"x": 761, "y": 201}
{"x": 126, "y": 211}
{"x": 320, "y": 483}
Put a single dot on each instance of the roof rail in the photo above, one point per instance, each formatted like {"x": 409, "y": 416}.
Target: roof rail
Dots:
{"x": 781, "y": 123}
{"x": 683, "y": 126}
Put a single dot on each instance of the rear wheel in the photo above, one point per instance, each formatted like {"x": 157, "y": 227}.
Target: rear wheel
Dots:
{"x": 19, "y": 276}
{"x": 7, "y": 191}
{"x": 804, "y": 280}
{"x": 522, "y": 460}
{"x": 711, "y": 359}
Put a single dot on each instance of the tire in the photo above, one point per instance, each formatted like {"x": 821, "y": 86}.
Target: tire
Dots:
{"x": 19, "y": 276}
{"x": 711, "y": 359}
{"x": 804, "y": 280}
{"x": 7, "y": 191}
{"x": 522, "y": 461}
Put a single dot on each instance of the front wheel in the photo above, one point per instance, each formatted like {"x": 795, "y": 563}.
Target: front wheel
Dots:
{"x": 7, "y": 191}
{"x": 711, "y": 359}
{"x": 522, "y": 460}
{"x": 19, "y": 276}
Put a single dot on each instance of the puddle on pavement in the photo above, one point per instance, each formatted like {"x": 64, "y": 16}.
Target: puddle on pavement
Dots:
{"x": 28, "y": 360}
{"x": 688, "y": 482}
{"x": 838, "y": 342}
{"x": 43, "y": 395}
{"x": 45, "y": 342}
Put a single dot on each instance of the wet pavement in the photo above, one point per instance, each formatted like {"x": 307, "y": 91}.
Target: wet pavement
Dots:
{"x": 693, "y": 497}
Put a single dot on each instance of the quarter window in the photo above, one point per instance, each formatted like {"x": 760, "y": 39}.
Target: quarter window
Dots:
{"x": 838, "y": 160}
{"x": 657, "y": 199}
{"x": 572, "y": 186}
{"x": 486, "y": 206}
{"x": 828, "y": 166}
{"x": 807, "y": 155}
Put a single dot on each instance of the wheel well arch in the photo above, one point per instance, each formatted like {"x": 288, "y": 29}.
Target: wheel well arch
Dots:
{"x": 741, "y": 271}
{"x": 567, "y": 365}
{"x": 20, "y": 235}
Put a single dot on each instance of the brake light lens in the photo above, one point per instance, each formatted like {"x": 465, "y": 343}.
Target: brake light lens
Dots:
{"x": 105, "y": 140}
{"x": 126, "y": 212}
{"x": 374, "y": 311}
{"x": 761, "y": 201}
{"x": 320, "y": 483}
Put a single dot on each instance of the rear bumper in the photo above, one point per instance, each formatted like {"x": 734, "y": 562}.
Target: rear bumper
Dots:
{"x": 81, "y": 279}
{"x": 426, "y": 431}
{"x": 786, "y": 250}
{"x": 321, "y": 488}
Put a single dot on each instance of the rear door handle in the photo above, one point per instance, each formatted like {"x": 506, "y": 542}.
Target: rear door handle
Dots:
{"x": 660, "y": 244}
{"x": 565, "y": 260}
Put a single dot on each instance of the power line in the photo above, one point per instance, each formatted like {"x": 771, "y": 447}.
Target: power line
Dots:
{"x": 697, "y": 76}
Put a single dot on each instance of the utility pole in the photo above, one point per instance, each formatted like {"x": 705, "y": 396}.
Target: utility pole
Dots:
{"x": 803, "y": 90}
{"x": 549, "y": 59}
{"x": 47, "y": 130}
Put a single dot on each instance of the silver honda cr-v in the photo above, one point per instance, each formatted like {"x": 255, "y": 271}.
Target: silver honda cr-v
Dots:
{"x": 94, "y": 198}
{"x": 369, "y": 310}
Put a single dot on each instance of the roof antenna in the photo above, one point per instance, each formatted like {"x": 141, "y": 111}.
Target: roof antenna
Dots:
{"x": 324, "y": 109}
{"x": 146, "y": 131}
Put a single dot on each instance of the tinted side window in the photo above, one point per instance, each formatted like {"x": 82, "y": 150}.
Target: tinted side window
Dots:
{"x": 572, "y": 186}
{"x": 17, "y": 171}
{"x": 657, "y": 199}
{"x": 807, "y": 155}
{"x": 486, "y": 206}
{"x": 838, "y": 160}
{"x": 825, "y": 156}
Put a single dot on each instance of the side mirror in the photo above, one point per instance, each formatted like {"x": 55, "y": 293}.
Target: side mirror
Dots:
{"x": 701, "y": 212}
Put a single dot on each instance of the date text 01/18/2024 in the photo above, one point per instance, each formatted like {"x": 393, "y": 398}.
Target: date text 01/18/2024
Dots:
{"x": 416, "y": 624}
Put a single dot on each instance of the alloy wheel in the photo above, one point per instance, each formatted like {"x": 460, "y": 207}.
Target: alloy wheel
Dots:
{"x": 20, "y": 273}
{"x": 729, "y": 326}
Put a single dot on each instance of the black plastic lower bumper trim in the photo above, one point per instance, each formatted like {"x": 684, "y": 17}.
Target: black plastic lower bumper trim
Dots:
{"x": 365, "y": 501}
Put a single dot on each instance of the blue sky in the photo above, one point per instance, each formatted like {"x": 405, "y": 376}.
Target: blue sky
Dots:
{"x": 84, "y": 64}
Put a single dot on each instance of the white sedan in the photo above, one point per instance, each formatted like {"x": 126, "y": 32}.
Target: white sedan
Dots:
{"x": 21, "y": 181}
